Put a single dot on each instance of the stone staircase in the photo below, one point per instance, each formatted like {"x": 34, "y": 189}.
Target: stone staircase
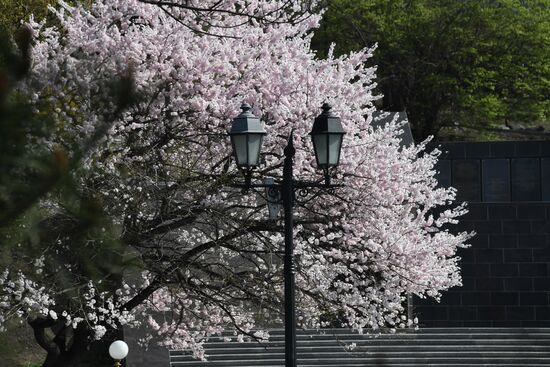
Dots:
{"x": 441, "y": 347}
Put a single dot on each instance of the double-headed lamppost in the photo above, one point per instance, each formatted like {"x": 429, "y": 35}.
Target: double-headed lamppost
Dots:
{"x": 246, "y": 135}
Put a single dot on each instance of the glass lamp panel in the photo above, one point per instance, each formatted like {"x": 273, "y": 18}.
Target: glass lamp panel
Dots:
{"x": 254, "y": 148}
{"x": 320, "y": 147}
{"x": 334, "y": 145}
{"x": 239, "y": 149}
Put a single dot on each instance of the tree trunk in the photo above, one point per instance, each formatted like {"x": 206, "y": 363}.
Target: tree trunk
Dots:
{"x": 94, "y": 354}
{"x": 73, "y": 348}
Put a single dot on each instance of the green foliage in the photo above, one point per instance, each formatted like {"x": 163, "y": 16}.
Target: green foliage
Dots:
{"x": 469, "y": 63}
{"x": 20, "y": 127}
{"x": 42, "y": 205}
{"x": 13, "y": 12}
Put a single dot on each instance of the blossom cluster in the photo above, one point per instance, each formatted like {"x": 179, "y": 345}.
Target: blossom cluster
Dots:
{"x": 23, "y": 298}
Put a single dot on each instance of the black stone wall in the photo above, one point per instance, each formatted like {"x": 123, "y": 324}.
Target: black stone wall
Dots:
{"x": 506, "y": 271}
{"x": 497, "y": 171}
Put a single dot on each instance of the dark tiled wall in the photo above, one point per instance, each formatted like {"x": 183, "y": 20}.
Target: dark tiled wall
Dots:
{"x": 506, "y": 271}
{"x": 497, "y": 171}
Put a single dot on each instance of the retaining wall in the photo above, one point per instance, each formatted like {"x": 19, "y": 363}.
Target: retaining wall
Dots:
{"x": 506, "y": 271}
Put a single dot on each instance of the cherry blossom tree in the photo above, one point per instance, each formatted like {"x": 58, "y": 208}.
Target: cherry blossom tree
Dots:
{"x": 195, "y": 256}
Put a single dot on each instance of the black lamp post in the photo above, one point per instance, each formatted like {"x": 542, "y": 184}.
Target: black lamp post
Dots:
{"x": 246, "y": 137}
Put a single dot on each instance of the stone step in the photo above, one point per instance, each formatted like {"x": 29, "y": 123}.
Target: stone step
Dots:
{"x": 397, "y": 343}
{"x": 374, "y": 361}
{"x": 407, "y": 336}
{"x": 375, "y": 348}
{"x": 394, "y": 355}
{"x": 427, "y": 347}
{"x": 277, "y": 333}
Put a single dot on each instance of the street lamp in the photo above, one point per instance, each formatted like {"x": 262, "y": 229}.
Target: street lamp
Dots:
{"x": 118, "y": 350}
{"x": 246, "y": 137}
{"x": 327, "y": 135}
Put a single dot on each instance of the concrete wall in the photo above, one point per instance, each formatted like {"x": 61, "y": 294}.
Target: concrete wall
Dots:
{"x": 506, "y": 272}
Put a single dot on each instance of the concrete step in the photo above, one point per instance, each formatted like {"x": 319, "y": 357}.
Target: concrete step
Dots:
{"x": 400, "y": 337}
{"x": 373, "y": 349}
{"x": 385, "y": 343}
{"x": 365, "y": 356}
{"x": 379, "y": 363}
{"x": 426, "y": 347}
{"x": 470, "y": 331}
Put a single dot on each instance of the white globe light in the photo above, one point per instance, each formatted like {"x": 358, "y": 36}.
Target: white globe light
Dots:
{"x": 118, "y": 350}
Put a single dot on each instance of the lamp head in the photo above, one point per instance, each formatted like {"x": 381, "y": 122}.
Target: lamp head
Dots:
{"x": 327, "y": 135}
{"x": 118, "y": 350}
{"x": 246, "y": 135}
